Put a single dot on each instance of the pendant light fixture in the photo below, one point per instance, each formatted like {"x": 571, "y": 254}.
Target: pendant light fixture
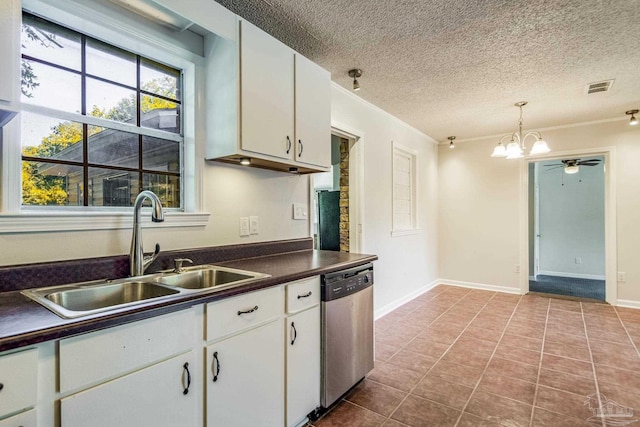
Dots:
{"x": 515, "y": 148}
{"x": 354, "y": 74}
{"x": 633, "y": 120}
{"x": 451, "y": 145}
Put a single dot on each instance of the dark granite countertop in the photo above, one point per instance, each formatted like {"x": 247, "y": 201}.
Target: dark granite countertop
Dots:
{"x": 25, "y": 322}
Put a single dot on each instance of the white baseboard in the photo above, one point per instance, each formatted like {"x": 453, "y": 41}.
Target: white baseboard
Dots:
{"x": 628, "y": 303}
{"x": 405, "y": 299}
{"x": 572, "y": 275}
{"x": 482, "y": 286}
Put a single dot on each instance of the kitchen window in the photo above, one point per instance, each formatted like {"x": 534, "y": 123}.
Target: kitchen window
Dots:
{"x": 99, "y": 123}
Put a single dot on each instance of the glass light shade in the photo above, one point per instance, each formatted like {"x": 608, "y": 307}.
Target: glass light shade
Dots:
{"x": 514, "y": 151}
{"x": 633, "y": 120}
{"x": 356, "y": 84}
{"x": 571, "y": 169}
{"x": 245, "y": 161}
{"x": 499, "y": 151}
{"x": 540, "y": 147}
{"x": 451, "y": 146}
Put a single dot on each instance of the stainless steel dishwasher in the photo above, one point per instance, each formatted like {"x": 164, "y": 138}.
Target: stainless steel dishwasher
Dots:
{"x": 347, "y": 330}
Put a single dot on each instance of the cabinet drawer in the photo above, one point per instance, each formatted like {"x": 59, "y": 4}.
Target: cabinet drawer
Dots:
{"x": 101, "y": 355}
{"x": 25, "y": 419}
{"x": 19, "y": 379}
{"x": 242, "y": 312}
{"x": 303, "y": 294}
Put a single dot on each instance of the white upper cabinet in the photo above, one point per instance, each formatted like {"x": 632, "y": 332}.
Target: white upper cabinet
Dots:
{"x": 10, "y": 20}
{"x": 266, "y": 95}
{"x": 266, "y": 103}
{"x": 313, "y": 113}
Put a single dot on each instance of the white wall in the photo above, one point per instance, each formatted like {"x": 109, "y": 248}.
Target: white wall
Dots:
{"x": 481, "y": 220}
{"x": 571, "y": 221}
{"x": 406, "y": 263}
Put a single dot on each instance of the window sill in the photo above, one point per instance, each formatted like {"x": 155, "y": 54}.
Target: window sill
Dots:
{"x": 49, "y": 221}
{"x": 398, "y": 233}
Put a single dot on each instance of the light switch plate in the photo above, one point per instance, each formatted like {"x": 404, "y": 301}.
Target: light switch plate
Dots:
{"x": 253, "y": 225}
{"x": 244, "y": 226}
{"x": 299, "y": 211}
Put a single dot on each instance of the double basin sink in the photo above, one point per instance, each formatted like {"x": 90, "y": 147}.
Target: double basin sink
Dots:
{"x": 84, "y": 299}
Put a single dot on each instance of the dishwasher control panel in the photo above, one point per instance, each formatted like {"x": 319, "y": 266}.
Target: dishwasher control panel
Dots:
{"x": 346, "y": 282}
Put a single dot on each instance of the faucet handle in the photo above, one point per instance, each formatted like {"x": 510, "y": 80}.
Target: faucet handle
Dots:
{"x": 148, "y": 259}
{"x": 178, "y": 264}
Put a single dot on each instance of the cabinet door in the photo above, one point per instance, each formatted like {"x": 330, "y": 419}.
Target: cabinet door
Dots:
{"x": 313, "y": 113}
{"x": 25, "y": 419}
{"x": 18, "y": 381}
{"x": 266, "y": 86}
{"x": 10, "y": 19}
{"x": 245, "y": 382}
{"x": 153, "y": 396}
{"x": 303, "y": 364}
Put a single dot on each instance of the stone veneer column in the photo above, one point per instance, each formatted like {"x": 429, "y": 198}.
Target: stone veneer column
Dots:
{"x": 344, "y": 195}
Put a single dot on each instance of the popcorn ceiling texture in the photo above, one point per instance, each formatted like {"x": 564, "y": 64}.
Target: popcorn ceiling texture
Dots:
{"x": 456, "y": 67}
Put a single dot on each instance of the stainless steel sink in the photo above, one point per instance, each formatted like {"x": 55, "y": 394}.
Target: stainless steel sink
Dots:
{"x": 85, "y": 299}
{"x": 208, "y": 276}
{"x": 79, "y": 300}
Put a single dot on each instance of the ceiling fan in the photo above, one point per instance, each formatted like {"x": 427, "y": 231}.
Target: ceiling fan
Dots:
{"x": 572, "y": 166}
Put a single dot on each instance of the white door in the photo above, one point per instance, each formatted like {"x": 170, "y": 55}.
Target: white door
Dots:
{"x": 154, "y": 396}
{"x": 245, "y": 379}
{"x": 313, "y": 113}
{"x": 303, "y": 364}
{"x": 266, "y": 86}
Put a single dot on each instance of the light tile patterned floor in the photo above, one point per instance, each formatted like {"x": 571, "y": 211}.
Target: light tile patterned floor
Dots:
{"x": 463, "y": 357}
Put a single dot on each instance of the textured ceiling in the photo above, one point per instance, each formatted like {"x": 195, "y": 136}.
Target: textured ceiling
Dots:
{"x": 455, "y": 67}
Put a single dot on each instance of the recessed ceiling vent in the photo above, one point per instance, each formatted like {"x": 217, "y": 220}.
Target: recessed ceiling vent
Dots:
{"x": 599, "y": 87}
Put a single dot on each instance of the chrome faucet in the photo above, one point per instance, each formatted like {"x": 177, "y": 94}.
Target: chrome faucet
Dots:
{"x": 137, "y": 259}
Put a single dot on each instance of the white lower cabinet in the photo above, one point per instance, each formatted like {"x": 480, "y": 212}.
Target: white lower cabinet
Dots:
{"x": 25, "y": 419}
{"x": 245, "y": 379}
{"x": 18, "y": 381}
{"x": 303, "y": 364}
{"x": 154, "y": 396}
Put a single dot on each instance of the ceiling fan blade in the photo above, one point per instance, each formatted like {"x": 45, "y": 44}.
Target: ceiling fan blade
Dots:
{"x": 588, "y": 164}
{"x": 554, "y": 165}
{"x": 582, "y": 162}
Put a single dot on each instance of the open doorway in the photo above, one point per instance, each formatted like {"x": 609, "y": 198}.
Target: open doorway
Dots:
{"x": 567, "y": 245}
{"x": 331, "y": 200}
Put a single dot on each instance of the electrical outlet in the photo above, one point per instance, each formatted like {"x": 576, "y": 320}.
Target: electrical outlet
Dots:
{"x": 517, "y": 268}
{"x": 253, "y": 225}
{"x": 622, "y": 276}
{"x": 578, "y": 260}
{"x": 244, "y": 226}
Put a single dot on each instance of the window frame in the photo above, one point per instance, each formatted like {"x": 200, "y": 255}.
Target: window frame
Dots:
{"x": 14, "y": 218}
{"x": 412, "y": 156}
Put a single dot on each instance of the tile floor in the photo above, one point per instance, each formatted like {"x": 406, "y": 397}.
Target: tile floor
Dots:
{"x": 463, "y": 357}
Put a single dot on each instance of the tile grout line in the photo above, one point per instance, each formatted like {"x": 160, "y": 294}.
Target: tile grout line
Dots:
{"x": 544, "y": 337}
{"x": 411, "y": 340}
{"x": 365, "y": 378}
{"x": 443, "y": 354}
{"x": 633, "y": 343}
{"x": 484, "y": 371}
{"x": 593, "y": 365}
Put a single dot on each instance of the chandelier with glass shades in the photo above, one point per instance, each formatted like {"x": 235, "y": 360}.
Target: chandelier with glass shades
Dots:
{"x": 516, "y": 148}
